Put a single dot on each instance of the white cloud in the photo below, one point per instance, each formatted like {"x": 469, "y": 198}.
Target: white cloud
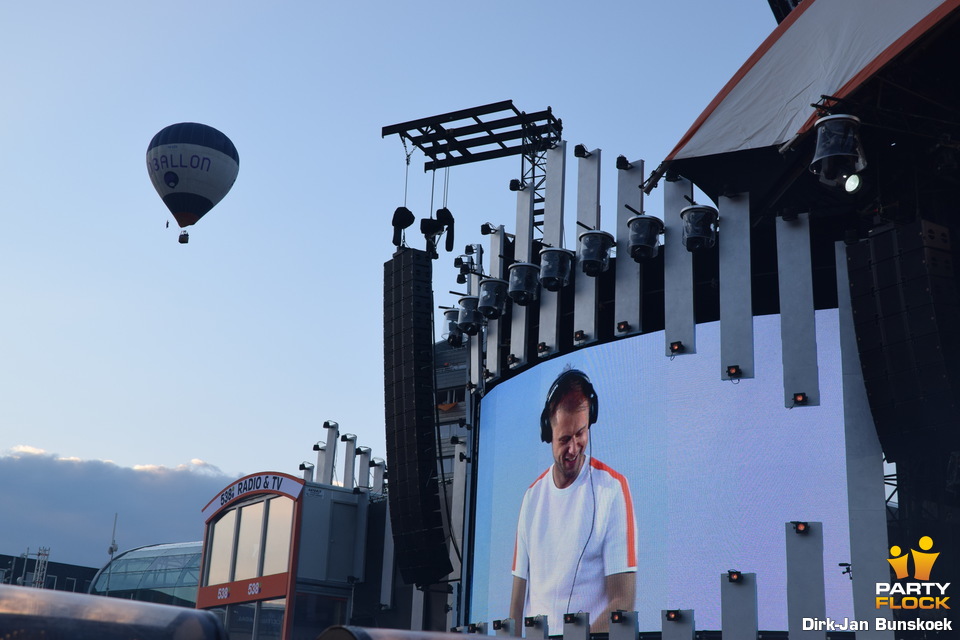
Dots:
{"x": 68, "y": 504}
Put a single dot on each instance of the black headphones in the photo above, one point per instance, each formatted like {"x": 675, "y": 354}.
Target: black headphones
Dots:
{"x": 546, "y": 431}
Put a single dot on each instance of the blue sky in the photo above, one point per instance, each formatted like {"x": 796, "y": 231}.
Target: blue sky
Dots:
{"x": 118, "y": 344}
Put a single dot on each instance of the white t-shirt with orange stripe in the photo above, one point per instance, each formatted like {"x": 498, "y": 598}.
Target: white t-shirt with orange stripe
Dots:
{"x": 553, "y": 528}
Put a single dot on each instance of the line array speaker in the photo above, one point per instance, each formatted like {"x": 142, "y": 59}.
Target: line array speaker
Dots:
{"x": 906, "y": 313}
{"x": 419, "y": 539}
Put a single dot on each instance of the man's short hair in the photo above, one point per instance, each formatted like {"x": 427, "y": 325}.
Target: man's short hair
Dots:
{"x": 569, "y": 382}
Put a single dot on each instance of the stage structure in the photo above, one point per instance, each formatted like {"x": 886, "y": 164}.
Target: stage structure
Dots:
{"x": 827, "y": 163}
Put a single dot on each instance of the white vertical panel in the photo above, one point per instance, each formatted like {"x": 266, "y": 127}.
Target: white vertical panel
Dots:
{"x": 736, "y": 306}
{"x": 493, "y": 333}
{"x": 519, "y": 333}
{"x": 679, "y": 321}
{"x": 588, "y": 217}
{"x": 798, "y": 329}
{"x": 555, "y": 182}
{"x": 806, "y": 596}
{"x": 627, "y": 298}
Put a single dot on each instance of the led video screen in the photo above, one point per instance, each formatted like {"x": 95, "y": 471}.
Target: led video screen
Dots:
{"x": 713, "y": 470}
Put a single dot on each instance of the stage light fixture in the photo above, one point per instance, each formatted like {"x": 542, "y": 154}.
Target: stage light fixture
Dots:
{"x": 570, "y": 618}
{"x": 734, "y": 371}
{"x": 516, "y": 185}
{"x": 734, "y": 576}
{"x": 470, "y": 320}
{"x": 644, "y": 237}
{"x": 458, "y": 262}
{"x": 524, "y": 283}
{"x": 623, "y": 326}
{"x": 331, "y": 424}
{"x": 618, "y": 617}
{"x": 472, "y": 627}
{"x": 579, "y": 335}
{"x": 800, "y": 528}
{"x": 493, "y": 297}
{"x": 853, "y": 183}
{"x": 530, "y": 621}
{"x": 595, "y": 252}
{"x": 800, "y": 398}
{"x": 454, "y": 333}
{"x": 580, "y": 151}
{"x": 673, "y": 615}
{"x": 497, "y": 625}
{"x": 623, "y": 164}
{"x": 487, "y": 228}
{"x": 542, "y": 347}
{"x": 676, "y": 347}
{"x": 699, "y": 227}
{"x": 839, "y": 153}
{"x": 512, "y": 359}
{"x": 555, "y": 267}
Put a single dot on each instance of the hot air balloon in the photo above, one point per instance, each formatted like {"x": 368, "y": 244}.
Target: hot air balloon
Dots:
{"x": 192, "y": 167}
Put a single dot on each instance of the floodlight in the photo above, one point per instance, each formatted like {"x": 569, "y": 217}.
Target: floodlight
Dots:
{"x": 580, "y": 151}
{"x": 734, "y": 576}
{"x": 497, "y": 625}
{"x": 454, "y": 333}
{"x": 800, "y": 528}
{"x": 676, "y": 347}
{"x": 618, "y": 617}
{"x": 516, "y": 185}
{"x": 579, "y": 335}
{"x": 523, "y": 279}
{"x": 800, "y": 398}
{"x": 570, "y": 618}
{"x": 644, "y": 238}
{"x": 470, "y": 320}
{"x": 595, "y": 252}
{"x": 331, "y": 424}
{"x": 673, "y": 615}
{"x": 734, "y": 371}
{"x": 493, "y": 297}
{"x": 623, "y": 164}
{"x": 623, "y": 326}
{"x": 555, "y": 267}
{"x": 487, "y": 228}
{"x": 699, "y": 227}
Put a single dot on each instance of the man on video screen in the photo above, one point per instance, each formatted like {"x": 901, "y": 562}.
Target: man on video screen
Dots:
{"x": 576, "y": 544}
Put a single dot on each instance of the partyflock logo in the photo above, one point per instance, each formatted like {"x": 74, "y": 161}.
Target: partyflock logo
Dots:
{"x": 919, "y": 594}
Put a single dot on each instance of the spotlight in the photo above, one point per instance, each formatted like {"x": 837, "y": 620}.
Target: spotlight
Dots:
{"x": 623, "y": 164}
{"x": 579, "y": 335}
{"x": 595, "y": 252}
{"x": 623, "y": 326}
{"x": 734, "y": 371}
{"x": 472, "y": 627}
{"x": 644, "y": 237}
{"x": 523, "y": 279}
{"x": 461, "y": 279}
{"x": 542, "y": 347}
{"x": 497, "y": 625}
{"x": 839, "y": 154}
{"x": 469, "y": 249}
{"x": 516, "y": 185}
{"x": 470, "y": 319}
{"x": 734, "y": 576}
{"x": 618, "y": 617}
{"x": 331, "y": 424}
{"x": 800, "y": 398}
{"x": 676, "y": 347}
{"x": 512, "y": 359}
{"x": 673, "y": 615}
{"x": 570, "y": 618}
{"x": 580, "y": 151}
{"x": 458, "y": 262}
{"x": 699, "y": 227}
{"x": 800, "y": 528}
{"x": 487, "y": 228}
{"x": 530, "y": 621}
{"x": 853, "y": 183}
{"x": 493, "y": 297}
{"x": 555, "y": 267}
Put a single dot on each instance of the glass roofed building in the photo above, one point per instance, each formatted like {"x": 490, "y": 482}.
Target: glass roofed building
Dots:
{"x": 163, "y": 573}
